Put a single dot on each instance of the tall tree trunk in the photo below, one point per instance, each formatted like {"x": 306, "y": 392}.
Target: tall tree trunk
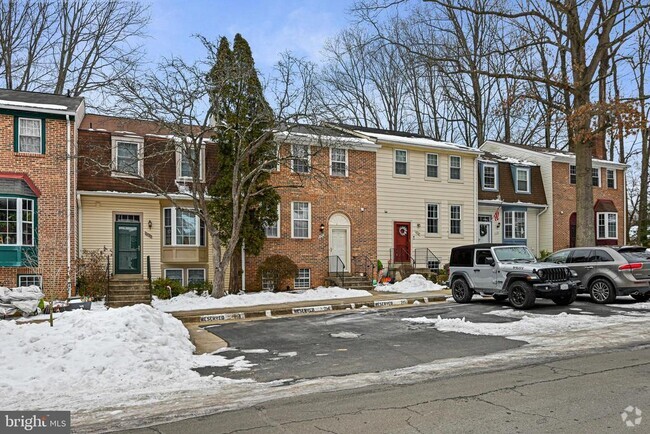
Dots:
{"x": 219, "y": 281}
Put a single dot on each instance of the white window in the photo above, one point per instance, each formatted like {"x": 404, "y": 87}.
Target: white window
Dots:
{"x": 401, "y": 162}
{"x": 300, "y": 158}
{"x": 30, "y": 137}
{"x": 611, "y": 178}
{"x": 189, "y": 158}
{"x": 16, "y": 221}
{"x": 489, "y": 177}
{"x": 455, "y": 219}
{"x": 174, "y": 274}
{"x": 127, "y": 157}
{"x": 339, "y": 160}
{"x": 183, "y": 228}
{"x": 572, "y": 174}
{"x": 432, "y": 165}
{"x": 514, "y": 225}
{"x": 30, "y": 280}
{"x": 268, "y": 282}
{"x": 454, "y": 167}
{"x": 607, "y": 226}
{"x": 195, "y": 275}
{"x": 595, "y": 176}
{"x": 300, "y": 220}
{"x": 432, "y": 218}
{"x": 522, "y": 181}
{"x": 273, "y": 230}
{"x": 303, "y": 279}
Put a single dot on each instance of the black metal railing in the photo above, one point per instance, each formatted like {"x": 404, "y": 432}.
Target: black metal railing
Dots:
{"x": 400, "y": 256}
{"x": 149, "y": 278}
{"x": 362, "y": 265}
{"x": 425, "y": 258}
{"x": 336, "y": 267}
{"x": 108, "y": 281}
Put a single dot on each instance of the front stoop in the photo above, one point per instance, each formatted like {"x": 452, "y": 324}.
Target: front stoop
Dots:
{"x": 125, "y": 292}
{"x": 351, "y": 281}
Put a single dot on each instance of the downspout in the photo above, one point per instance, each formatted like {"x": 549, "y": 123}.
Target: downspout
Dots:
{"x": 538, "y": 215}
{"x": 80, "y": 225}
{"x": 243, "y": 266}
{"x": 625, "y": 234}
{"x": 475, "y": 214}
{"x": 68, "y": 207}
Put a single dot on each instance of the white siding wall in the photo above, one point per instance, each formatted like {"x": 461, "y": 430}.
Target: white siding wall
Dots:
{"x": 545, "y": 166}
{"x": 497, "y": 227}
{"x": 404, "y": 199}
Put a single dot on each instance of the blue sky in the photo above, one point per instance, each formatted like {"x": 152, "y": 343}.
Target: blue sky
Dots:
{"x": 269, "y": 26}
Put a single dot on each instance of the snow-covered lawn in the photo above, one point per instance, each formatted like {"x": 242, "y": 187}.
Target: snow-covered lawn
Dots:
{"x": 194, "y": 301}
{"x": 101, "y": 358}
{"x": 96, "y": 306}
{"x": 413, "y": 283}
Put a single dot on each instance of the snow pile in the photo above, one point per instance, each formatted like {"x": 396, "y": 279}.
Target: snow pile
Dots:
{"x": 345, "y": 335}
{"x": 639, "y": 305}
{"x": 194, "y": 301}
{"x": 109, "y": 357}
{"x": 530, "y": 327}
{"x": 413, "y": 283}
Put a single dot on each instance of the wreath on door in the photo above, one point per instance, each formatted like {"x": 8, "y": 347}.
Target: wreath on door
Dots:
{"x": 403, "y": 231}
{"x": 482, "y": 230}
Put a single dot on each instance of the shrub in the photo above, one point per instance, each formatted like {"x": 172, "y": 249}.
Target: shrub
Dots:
{"x": 91, "y": 273}
{"x": 543, "y": 254}
{"x": 277, "y": 268}
{"x": 160, "y": 290}
{"x": 441, "y": 279}
{"x": 200, "y": 287}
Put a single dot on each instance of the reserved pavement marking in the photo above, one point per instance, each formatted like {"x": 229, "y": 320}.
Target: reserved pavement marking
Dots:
{"x": 222, "y": 317}
{"x": 380, "y": 303}
{"x": 324, "y": 308}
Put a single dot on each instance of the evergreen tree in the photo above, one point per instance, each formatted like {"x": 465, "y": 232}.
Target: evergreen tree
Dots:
{"x": 243, "y": 200}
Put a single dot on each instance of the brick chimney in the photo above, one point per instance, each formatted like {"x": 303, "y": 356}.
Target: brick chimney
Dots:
{"x": 598, "y": 148}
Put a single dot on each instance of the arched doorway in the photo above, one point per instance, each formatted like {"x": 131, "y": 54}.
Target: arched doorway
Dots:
{"x": 339, "y": 240}
{"x": 572, "y": 230}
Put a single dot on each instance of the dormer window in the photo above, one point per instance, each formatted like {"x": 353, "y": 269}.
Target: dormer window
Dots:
{"x": 489, "y": 177}
{"x": 187, "y": 159}
{"x": 522, "y": 180}
{"x": 30, "y": 135}
{"x": 127, "y": 157}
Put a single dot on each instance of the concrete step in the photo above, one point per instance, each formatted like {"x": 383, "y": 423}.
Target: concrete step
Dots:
{"x": 128, "y": 282}
{"x": 126, "y": 303}
{"x": 128, "y": 288}
{"x": 113, "y": 298}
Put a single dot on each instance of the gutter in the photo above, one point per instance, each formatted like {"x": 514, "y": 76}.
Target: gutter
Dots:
{"x": 68, "y": 206}
{"x": 37, "y": 110}
{"x": 539, "y": 214}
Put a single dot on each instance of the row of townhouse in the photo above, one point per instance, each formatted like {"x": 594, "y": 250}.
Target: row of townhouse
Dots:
{"x": 397, "y": 197}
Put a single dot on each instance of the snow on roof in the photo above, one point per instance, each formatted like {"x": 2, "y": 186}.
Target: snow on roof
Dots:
{"x": 178, "y": 139}
{"x": 501, "y": 202}
{"x": 33, "y": 105}
{"x": 418, "y": 141}
{"x": 493, "y": 156}
{"x": 325, "y": 139}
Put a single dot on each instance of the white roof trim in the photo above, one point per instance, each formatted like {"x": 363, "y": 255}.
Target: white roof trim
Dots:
{"x": 143, "y": 195}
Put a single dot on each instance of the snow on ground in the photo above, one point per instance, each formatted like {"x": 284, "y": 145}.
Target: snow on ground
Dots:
{"x": 644, "y": 305}
{"x": 413, "y": 283}
{"x": 193, "y": 301}
{"x": 530, "y": 327}
{"x": 96, "y": 306}
{"x": 345, "y": 335}
{"x": 101, "y": 358}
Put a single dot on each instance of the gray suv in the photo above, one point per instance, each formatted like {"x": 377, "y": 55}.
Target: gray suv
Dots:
{"x": 606, "y": 272}
{"x": 508, "y": 272}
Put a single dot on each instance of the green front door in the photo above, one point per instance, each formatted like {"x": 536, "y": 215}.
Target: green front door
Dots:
{"x": 127, "y": 248}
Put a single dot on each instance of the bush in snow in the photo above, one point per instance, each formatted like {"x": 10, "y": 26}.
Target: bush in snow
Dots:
{"x": 277, "y": 268}
{"x": 91, "y": 273}
{"x": 160, "y": 288}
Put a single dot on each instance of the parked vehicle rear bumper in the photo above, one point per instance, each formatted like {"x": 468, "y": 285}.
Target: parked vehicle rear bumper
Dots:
{"x": 633, "y": 290}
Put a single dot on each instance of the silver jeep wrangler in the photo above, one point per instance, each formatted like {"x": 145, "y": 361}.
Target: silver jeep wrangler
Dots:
{"x": 508, "y": 271}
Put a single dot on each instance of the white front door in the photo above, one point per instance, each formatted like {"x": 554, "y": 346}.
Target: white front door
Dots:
{"x": 339, "y": 247}
{"x": 484, "y": 230}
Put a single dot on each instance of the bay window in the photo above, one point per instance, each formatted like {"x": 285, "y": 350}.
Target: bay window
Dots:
{"x": 183, "y": 228}
{"x": 16, "y": 221}
{"x": 607, "y": 225}
{"x": 514, "y": 225}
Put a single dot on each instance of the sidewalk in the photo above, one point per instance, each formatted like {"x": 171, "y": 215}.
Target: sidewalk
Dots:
{"x": 376, "y": 300}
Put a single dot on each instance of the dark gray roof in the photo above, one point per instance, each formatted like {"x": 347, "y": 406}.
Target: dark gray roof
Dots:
{"x": 382, "y": 131}
{"x": 16, "y": 186}
{"x": 541, "y": 149}
{"x": 318, "y": 130}
{"x": 30, "y": 101}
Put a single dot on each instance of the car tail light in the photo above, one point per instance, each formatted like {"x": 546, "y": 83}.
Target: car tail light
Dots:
{"x": 632, "y": 266}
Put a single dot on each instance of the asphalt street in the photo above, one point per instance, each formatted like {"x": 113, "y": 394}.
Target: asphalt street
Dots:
{"x": 369, "y": 340}
{"x": 578, "y": 395}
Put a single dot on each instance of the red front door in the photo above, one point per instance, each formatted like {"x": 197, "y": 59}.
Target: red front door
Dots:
{"x": 402, "y": 241}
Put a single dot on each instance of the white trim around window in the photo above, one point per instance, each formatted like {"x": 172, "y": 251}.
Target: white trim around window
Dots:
{"x": 115, "y": 157}
{"x": 298, "y": 155}
{"x": 34, "y": 131}
{"x": 30, "y": 279}
{"x": 303, "y": 279}
{"x": 172, "y": 233}
{"x": 297, "y": 216}
{"x": 23, "y": 221}
{"x": 340, "y": 152}
{"x": 179, "y": 166}
{"x": 203, "y": 275}
{"x": 612, "y": 178}
{"x": 401, "y": 158}
{"x": 495, "y": 176}
{"x": 455, "y": 164}
{"x": 573, "y": 174}
{"x": 595, "y": 171}
{"x": 431, "y": 161}
{"x": 607, "y": 226}
{"x": 274, "y": 230}
{"x": 455, "y": 215}
{"x": 167, "y": 270}
{"x": 432, "y": 219}
{"x": 518, "y": 172}
{"x": 512, "y": 222}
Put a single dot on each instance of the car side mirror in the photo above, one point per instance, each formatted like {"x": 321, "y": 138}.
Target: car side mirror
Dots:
{"x": 489, "y": 261}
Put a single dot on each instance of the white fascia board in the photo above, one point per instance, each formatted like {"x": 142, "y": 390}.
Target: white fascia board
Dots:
{"x": 494, "y": 202}
{"x": 144, "y": 195}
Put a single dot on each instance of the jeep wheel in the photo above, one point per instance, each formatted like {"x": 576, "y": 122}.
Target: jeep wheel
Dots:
{"x": 499, "y": 297}
{"x": 521, "y": 295}
{"x": 641, "y": 297}
{"x": 461, "y": 291}
{"x": 602, "y": 292}
{"x": 566, "y": 299}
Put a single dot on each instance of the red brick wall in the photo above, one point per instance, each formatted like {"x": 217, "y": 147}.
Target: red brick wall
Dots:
{"x": 328, "y": 195}
{"x": 48, "y": 172}
{"x": 564, "y": 200}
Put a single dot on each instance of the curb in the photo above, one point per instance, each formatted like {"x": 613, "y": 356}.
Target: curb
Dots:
{"x": 206, "y": 318}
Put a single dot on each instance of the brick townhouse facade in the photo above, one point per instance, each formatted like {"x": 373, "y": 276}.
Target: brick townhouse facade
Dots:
{"x": 37, "y": 185}
{"x": 331, "y": 212}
